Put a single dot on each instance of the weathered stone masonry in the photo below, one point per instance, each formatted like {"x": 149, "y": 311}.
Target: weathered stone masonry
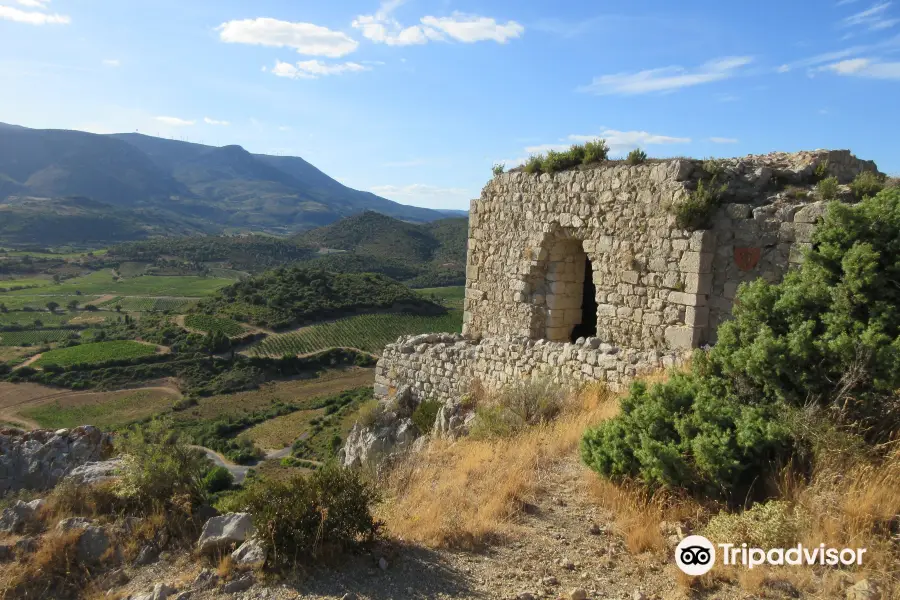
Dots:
{"x": 659, "y": 291}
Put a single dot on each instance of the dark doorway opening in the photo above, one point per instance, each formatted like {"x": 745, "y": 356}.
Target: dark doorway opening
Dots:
{"x": 588, "y": 325}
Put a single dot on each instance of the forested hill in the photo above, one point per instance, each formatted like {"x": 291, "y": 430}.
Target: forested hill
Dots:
{"x": 423, "y": 255}
{"x": 298, "y": 295}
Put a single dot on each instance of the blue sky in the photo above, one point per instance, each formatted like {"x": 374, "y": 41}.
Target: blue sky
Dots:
{"x": 416, "y": 99}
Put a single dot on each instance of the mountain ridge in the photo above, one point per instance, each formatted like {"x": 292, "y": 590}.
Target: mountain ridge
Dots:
{"x": 221, "y": 188}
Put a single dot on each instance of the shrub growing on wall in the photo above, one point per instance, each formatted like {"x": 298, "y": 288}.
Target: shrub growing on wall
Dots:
{"x": 828, "y": 334}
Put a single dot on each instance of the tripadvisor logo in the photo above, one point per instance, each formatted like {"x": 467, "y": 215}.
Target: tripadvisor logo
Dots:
{"x": 696, "y": 555}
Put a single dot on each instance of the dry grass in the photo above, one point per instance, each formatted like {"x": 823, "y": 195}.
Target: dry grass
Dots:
{"x": 51, "y": 572}
{"x": 468, "y": 493}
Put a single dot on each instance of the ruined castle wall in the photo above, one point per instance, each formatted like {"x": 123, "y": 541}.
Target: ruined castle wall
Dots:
{"x": 529, "y": 234}
{"x": 443, "y": 366}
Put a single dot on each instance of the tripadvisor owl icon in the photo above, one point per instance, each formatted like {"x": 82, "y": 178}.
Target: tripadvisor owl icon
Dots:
{"x": 695, "y": 555}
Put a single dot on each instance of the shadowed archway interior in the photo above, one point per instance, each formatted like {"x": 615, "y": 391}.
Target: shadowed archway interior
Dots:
{"x": 588, "y": 325}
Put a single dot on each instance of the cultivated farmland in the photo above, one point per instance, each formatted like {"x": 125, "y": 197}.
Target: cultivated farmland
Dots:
{"x": 137, "y": 304}
{"x": 210, "y": 324}
{"x": 95, "y": 353}
{"x": 37, "y": 336}
{"x": 370, "y": 333}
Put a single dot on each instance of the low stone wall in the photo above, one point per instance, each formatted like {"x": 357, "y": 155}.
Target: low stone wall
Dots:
{"x": 442, "y": 367}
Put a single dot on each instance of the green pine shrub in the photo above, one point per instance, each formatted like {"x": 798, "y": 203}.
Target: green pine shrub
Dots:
{"x": 498, "y": 169}
{"x": 595, "y": 151}
{"x": 306, "y": 517}
{"x": 636, "y": 157}
{"x": 828, "y": 188}
{"x": 774, "y": 524}
{"x": 218, "y": 479}
{"x": 866, "y": 184}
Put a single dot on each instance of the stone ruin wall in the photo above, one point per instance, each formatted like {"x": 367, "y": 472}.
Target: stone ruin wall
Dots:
{"x": 660, "y": 290}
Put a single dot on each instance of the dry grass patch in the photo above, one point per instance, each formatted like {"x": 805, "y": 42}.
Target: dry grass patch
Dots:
{"x": 51, "y": 572}
{"x": 470, "y": 492}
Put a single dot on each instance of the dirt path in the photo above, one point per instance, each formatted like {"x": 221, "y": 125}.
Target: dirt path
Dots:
{"x": 239, "y": 472}
{"x": 28, "y": 362}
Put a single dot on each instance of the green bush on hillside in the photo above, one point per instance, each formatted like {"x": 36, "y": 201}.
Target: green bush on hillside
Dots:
{"x": 555, "y": 161}
{"x": 309, "y": 516}
{"x": 866, "y": 184}
{"x": 828, "y": 188}
{"x": 696, "y": 211}
{"x": 636, "y": 157}
{"x": 828, "y": 335}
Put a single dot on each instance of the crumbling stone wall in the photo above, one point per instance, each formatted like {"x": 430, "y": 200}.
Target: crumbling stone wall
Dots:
{"x": 659, "y": 290}
{"x": 443, "y": 366}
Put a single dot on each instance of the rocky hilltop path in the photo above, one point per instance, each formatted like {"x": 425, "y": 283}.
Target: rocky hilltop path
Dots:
{"x": 565, "y": 544}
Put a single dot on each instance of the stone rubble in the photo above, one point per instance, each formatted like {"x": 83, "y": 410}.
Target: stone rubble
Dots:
{"x": 39, "y": 459}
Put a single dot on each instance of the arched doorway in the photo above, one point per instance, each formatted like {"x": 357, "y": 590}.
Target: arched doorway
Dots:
{"x": 568, "y": 292}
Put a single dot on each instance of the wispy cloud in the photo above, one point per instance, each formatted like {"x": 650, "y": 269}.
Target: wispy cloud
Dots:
{"x": 723, "y": 140}
{"x": 872, "y": 18}
{"x": 865, "y": 67}
{"x": 313, "y": 69}
{"x": 32, "y": 17}
{"x": 305, "y": 38}
{"x": 112, "y": 62}
{"x": 209, "y": 121}
{"x": 383, "y": 28}
{"x": 175, "y": 121}
{"x": 667, "y": 79}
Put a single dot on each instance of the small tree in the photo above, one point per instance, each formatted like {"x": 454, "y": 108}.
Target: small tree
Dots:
{"x": 3, "y": 308}
{"x": 498, "y": 169}
{"x": 72, "y": 305}
{"x": 52, "y": 306}
{"x": 56, "y": 278}
{"x": 636, "y": 157}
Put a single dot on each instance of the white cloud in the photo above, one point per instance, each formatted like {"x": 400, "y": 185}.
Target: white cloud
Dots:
{"x": 42, "y": 4}
{"x": 666, "y": 79}
{"x": 865, "y": 67}
{"x": 112, "y": 62}
{"x": 421, "y": 194}
{"x": 284, "y": 128}
{"x": 723, "y": 140}
{"x": 312, "y": 69}
{"x": 473, "y": 28}
{"x": 175, "y": 121}
{"x": 383, "y": 28}
{"x": 306, "y": 38}
{"x": 209, "y": 121}
{"x": 32, "y": 17}
{"x": 873, "y": 18}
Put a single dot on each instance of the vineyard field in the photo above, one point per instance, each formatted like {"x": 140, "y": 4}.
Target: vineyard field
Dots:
{"x": 39, "y": 303}
{"x": 370, "y": 333}
{"x": 209, "y": 324}
{"x": 150, "y": 304}
{"x": 32, "y": 338}
{"x": 451, "y": 297}
{"x": 98, "y": 352}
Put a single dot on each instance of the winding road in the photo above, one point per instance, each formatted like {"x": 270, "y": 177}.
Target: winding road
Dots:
{"x": 239, "y": 472}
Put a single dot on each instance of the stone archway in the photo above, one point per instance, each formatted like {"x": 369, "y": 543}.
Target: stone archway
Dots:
{"x": 563, "y": 292}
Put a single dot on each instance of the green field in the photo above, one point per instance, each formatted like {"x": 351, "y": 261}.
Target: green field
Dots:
{"x": 101, "y": 410}
{"x": 18, "y": 301}
{"x": 149, "y": 304}
{"x": 370, "y": 333}
{"x": 451, "y": 297}
{"x": 101, "y": 282}
{"x": 31, "y": 338}
{"x": 27, "y": 318}
{"x": 98, "y": 352}
{"x": 25, "y": 282}
{"x": 209, "y": 324}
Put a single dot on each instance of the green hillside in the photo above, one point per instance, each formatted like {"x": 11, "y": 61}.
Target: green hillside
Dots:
{"x": 421, "y": 255}
{"x": 298, "y": 295}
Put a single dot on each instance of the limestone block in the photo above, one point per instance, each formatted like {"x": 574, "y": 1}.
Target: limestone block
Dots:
{"x": 696, "y": 262}
{"x": 683, "y": 337}
{"x": 686, "y": 299}
{"x": 810, "y": 213}
{"x": 738, "y": 211}
{"x": 697, "y": 283}
{"x": 696, "y": 316}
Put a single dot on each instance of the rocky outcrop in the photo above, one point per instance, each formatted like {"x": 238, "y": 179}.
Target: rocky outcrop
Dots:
{"x": 391, "y": 431}
{"x": 17, "y": 517}
{"x": 93, "y": 543}
{"x": 39, "y": 459}
{"x": 225, "y": 531}
{"x": 250, "y": 555}
{"x": 93, "y": 473}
